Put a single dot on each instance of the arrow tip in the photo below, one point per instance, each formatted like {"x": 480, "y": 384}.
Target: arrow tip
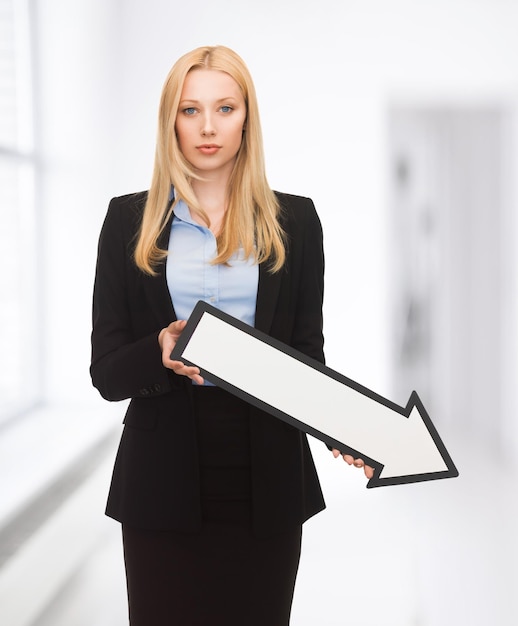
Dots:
{"x": 421, "y": 455}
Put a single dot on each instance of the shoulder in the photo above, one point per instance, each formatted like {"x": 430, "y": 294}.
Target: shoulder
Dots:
{"x": 296, "y": 212}
{"x": 125, "y": 213}
{"x": 291, "y": 202}
{"x": 121, "y": 224}
{"x": 131, "y": 203}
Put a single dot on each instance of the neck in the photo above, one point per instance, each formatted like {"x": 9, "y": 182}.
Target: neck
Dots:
{"x": 212, "y": 196}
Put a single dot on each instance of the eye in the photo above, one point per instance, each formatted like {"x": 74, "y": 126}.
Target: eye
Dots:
{"x": 226, "y": 108}
{"x": 189, "y": 111}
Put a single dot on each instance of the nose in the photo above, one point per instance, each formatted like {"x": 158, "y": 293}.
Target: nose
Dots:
{"x": 207, "y": 128}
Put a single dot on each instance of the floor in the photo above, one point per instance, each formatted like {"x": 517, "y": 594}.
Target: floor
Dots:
{"x": 441, "y": 553}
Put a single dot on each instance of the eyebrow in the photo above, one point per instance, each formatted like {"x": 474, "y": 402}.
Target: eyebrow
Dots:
{"x": 191, "y": 101}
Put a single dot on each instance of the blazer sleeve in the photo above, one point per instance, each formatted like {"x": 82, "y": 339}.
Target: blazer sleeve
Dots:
{"x": 126, "y": 357}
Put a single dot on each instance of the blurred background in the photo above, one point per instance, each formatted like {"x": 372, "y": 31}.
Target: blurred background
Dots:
{"x": 399, "y": 120}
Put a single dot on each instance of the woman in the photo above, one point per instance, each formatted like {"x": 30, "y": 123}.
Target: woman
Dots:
{"x": 211, "y": 492}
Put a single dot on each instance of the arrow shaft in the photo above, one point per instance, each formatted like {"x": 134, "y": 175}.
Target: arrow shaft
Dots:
{"x": 304, "y": 393}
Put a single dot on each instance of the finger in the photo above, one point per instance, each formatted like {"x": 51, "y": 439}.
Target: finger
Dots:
{"x": 348, "y": 459}
{"x": 194, "y": 374}
{"x": 336, "y": 453}
{"x": 186, "y": 370}
{"x": 178, "y": 326}
{"x": 169, "y": 336}
{"x": 176, "y": 366}
{"x": 358, "y": 463}
{"x": 181, "y": 369}
{"x": 369, "y": 471}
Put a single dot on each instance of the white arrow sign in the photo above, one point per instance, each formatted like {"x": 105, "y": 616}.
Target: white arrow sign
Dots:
{"x": 401, "y": 443}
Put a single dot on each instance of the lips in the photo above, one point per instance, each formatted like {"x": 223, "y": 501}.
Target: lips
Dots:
{"x": 208, "y": 148}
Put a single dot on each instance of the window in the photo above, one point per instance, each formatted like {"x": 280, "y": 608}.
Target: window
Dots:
{"x": 20, "y": 378}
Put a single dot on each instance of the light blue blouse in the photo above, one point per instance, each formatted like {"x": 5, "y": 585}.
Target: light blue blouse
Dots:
{"x": 191, "y": 277}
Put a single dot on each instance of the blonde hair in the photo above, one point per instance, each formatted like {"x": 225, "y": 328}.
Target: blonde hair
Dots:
{"x": 251, "y": 219}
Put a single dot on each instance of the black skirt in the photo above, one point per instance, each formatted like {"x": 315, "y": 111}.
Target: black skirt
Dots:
{"x": 223, "y": 576}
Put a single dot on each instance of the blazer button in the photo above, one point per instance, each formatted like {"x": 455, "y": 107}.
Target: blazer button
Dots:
{"x": 157, "y": 387}
{"x": 144, "y": 392}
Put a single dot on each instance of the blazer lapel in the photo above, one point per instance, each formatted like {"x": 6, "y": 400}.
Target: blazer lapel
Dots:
{"x": 156, "y": 286}
{"x": 267, "y": 294}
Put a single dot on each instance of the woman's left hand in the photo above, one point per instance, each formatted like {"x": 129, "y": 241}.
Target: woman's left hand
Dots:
{"x": 350, "y": 460}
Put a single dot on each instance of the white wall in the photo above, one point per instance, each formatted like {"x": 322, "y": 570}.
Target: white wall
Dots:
{"x": 78, "y": 99}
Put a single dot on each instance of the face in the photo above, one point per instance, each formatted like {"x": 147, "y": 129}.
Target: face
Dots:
{"x": 210, "y": 121}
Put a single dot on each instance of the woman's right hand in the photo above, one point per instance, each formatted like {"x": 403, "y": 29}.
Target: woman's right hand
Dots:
{"x": 167, "y": 340}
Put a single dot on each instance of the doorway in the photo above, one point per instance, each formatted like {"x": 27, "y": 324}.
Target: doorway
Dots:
{"x": 453, "y": 268}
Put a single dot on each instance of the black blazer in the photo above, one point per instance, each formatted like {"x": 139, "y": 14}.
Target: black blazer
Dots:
{"x": 155, "y": 478}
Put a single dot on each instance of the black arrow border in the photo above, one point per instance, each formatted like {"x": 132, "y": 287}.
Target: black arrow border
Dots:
{"x": 202, "y": 308}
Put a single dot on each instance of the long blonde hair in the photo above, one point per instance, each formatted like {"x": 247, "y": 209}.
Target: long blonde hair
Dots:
{"x": 252, "y": 215}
